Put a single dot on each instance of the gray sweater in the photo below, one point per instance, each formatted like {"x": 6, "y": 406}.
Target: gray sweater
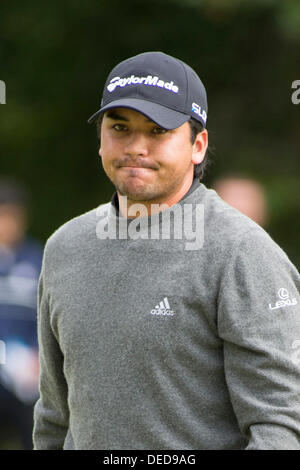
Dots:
{"x": 149, "y": 344}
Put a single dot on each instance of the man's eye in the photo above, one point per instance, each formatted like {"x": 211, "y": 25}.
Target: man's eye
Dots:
{"x": 119, "y": 127}
{"x": 159, "y": 130}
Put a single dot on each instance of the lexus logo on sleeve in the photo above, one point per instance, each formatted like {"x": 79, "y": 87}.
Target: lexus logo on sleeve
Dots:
{"x": 285, "y": 301}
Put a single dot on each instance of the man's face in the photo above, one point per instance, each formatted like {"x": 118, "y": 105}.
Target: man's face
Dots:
{"x": 144, "y": 161}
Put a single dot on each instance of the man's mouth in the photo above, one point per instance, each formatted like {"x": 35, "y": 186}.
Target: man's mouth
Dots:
{"x": 138, "y": 164}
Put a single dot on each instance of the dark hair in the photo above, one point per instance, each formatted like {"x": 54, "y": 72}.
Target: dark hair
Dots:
{"x": 196, "y": 128}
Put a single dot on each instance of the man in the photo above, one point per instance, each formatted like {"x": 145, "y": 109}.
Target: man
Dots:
{"x": 20, "y": 265}
{"x": 167, "y": 319}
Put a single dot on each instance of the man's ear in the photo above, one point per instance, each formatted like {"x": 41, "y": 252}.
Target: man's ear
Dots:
{"x": 200, "y": 147}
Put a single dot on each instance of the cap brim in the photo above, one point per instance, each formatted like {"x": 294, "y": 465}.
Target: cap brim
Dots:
{"x": 162, "y": 116}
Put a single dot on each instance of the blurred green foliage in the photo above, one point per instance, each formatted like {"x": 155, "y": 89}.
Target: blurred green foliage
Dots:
{"x": 55, "y": 56}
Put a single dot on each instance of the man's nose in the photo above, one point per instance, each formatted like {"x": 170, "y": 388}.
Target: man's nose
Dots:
{"x": 136, "y": 145}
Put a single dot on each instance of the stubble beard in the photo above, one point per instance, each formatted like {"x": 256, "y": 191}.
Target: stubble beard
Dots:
{"x": 139, "y": 193}
{"x": 150, "y": 193}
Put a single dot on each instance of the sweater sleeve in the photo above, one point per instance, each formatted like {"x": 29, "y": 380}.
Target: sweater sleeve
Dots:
{"x": 259, "y": 322}
{"x": 51, "y": 413}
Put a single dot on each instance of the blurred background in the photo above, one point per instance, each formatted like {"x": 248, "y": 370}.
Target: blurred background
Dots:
{"x": 54, "y": 59}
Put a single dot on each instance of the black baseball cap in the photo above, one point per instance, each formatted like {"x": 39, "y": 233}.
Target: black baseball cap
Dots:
{"x": 164, "y": 89}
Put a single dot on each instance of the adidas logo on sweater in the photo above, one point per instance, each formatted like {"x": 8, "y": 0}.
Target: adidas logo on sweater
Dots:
{"x": 163, "y": 308}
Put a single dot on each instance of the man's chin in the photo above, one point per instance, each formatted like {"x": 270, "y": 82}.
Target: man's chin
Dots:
{"x": 142, "y": 193}
{"x": 135, "y": 195}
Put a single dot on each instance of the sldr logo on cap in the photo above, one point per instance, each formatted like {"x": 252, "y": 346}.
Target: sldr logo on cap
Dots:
{"x": 148, "y": 81}
{"x": 196, "y": 108}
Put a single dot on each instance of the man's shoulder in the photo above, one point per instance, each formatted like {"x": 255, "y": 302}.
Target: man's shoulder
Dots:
{"x": 233, "y": 233}
{"x": 77, "y": 229}
{"x": 223, "y": 220}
